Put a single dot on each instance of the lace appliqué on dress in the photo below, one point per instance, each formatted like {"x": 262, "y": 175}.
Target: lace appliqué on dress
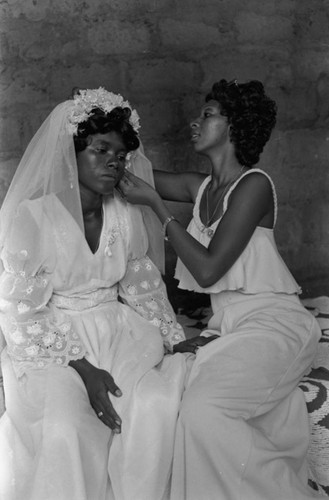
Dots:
{"x": 39, "y": 343}
{"x": 145, "y": 292}
{"x": 118, "y": 227}
{"x": 35, "y": 336}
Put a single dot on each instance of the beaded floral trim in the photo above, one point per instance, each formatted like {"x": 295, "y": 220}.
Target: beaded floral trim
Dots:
{"x": 87, "y": 100}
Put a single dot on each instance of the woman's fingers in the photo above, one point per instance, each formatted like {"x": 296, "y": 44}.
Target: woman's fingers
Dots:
{"x": 200, "y": 341}
{"x": 110, "y": 422}
{"x": 193, "y": 344}
{"x": 112, "y": 387}
{"x": 210, "y": 338}
{"x": 189, "y": 348}
{"x": 99, "y": 385}
{"x": 185, "y": 346}
{"x": 108, "y": 414}
{"x": 128, "y": 179}
{"x": 124, "y": 186}
{"x": 130, "y": 176}
{"x": 118, "y": 188}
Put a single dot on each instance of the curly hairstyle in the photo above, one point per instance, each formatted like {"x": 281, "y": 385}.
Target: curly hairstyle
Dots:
{"x": 251, "y": 116}
{"x": 102, "y": 123}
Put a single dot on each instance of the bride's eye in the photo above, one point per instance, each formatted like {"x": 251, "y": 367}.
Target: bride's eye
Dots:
{"x": 122, "y": 157}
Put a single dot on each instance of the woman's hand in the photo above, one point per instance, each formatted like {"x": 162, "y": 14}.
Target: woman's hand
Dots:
{"x": 193, "y": 344}
{"x": 136, "y": 191}
{"x": 98, "y": 384}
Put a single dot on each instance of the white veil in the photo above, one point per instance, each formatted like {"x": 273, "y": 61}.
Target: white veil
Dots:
{"x": 48, "y": 167}
{"x": 142, "y": 167}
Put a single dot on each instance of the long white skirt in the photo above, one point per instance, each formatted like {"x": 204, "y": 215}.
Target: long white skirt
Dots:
{"x": 53, "y": 446}
{"x": 243, "y": 427}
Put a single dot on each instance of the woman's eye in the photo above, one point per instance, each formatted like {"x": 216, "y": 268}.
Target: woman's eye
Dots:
{"x": 206, "y": 114}
{"x": 122, "y": 158}
{"x": 101, "y": 151}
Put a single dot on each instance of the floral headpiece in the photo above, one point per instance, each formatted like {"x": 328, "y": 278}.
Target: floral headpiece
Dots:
{"x": 87, "y": 100}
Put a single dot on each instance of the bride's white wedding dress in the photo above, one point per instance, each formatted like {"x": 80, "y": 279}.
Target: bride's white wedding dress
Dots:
{"x": 58, "y": 301}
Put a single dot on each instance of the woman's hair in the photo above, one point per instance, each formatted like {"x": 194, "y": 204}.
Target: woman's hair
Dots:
{"x": 102, "y": 123}
{"x": 251, "y": 116}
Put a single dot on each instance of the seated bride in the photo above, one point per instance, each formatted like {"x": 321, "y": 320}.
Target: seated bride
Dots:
{"x": 91, "y": 400}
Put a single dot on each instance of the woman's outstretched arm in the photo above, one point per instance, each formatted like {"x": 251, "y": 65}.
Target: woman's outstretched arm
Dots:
{"x": 249, "y": 203}
{"x": 177, "y": 187}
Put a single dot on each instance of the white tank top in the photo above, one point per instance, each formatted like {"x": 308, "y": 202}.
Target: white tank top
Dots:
{"x": 259, "y": 269}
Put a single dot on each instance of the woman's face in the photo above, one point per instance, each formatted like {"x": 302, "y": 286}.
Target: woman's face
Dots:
{"x": 101, "y": 165}
{"x": 210, "y": 130}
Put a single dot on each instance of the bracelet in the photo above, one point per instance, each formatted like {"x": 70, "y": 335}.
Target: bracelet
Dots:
{"x": 164, "y": 226}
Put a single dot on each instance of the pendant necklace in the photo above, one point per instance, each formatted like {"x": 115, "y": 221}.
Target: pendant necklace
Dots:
{"x": 210, "y": 232}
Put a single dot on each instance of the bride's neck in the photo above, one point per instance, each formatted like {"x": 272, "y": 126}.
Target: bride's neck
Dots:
{"x": 91, "y": 203}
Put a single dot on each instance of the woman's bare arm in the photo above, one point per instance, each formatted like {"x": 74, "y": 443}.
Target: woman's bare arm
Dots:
{"x": 177, "y": 187}
{"x": 249, "y": 203}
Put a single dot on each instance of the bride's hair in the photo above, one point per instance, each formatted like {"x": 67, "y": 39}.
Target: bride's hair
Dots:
{"x": 251, "y": 115}
{"x": 102, "y": 123}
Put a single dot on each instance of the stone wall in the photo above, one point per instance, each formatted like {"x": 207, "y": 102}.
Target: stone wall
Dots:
{"x": 163, "y": 55}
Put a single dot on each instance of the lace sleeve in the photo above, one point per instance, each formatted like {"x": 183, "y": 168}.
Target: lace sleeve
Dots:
{"x": 36, "y": 335}
{"x": 143, "y": 289}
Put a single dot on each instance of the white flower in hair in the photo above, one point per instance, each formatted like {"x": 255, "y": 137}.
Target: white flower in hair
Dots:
{"x": 86, "y": 100}
{"x": 134, "y": 120}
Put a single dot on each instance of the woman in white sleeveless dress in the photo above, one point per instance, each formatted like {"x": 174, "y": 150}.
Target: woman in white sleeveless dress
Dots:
{"x": 243, "y": 426}
{"x": 91, "y": 401}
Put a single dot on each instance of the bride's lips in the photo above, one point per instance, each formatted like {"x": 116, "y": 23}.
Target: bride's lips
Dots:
{"x": 108, "y": 175}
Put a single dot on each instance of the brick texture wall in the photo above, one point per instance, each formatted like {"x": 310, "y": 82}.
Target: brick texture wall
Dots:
{"x": 163, "y": 55}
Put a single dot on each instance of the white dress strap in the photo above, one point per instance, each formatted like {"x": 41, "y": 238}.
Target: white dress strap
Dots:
{"x": 251, "y": 171}
{"x": 196, "y": 208}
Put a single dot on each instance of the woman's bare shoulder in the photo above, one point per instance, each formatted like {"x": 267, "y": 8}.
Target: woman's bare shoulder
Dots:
{"x": 254, "y": 182}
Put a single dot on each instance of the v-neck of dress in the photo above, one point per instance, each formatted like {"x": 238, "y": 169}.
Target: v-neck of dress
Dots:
{"x": 81, "y": 229}
{"x": 100, "y": 234}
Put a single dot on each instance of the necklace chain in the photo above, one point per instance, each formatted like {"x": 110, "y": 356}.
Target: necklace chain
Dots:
{"x": 220, "y": 198}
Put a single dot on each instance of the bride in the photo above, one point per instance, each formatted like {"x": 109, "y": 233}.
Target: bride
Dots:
{"x": 91, "y": 400}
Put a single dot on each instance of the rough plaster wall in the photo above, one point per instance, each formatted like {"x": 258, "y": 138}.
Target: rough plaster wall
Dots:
{"x": 163, "y": 55}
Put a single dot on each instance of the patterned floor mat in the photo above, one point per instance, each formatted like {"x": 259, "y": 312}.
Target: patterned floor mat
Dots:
{"x": 316, "y": 390}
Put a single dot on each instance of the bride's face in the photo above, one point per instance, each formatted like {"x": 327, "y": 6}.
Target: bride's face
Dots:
{"x": 101, "y": 165}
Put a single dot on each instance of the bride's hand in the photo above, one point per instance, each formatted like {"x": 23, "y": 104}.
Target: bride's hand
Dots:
{"x": 99, "y": 383}
{"x": 136, "y": 191}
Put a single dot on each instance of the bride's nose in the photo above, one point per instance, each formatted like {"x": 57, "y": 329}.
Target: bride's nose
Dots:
{"x": 112, "y": 162}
